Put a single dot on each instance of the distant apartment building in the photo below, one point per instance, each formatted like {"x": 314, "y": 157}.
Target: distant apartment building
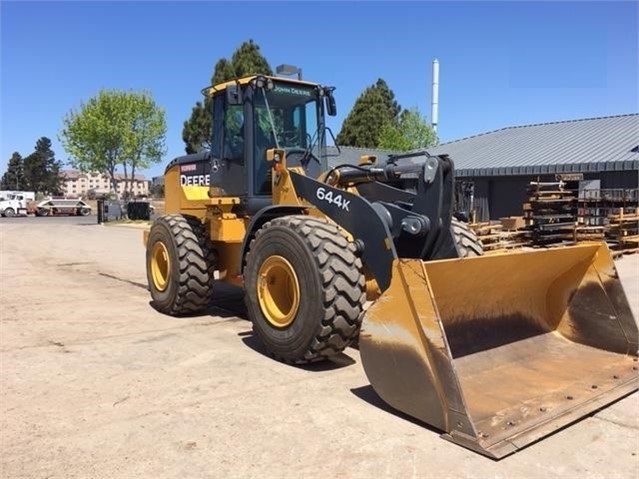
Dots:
{"x": 77, "y": 183}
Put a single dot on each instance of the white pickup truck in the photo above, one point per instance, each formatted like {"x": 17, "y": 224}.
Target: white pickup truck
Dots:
{"x": 16, "y": 203}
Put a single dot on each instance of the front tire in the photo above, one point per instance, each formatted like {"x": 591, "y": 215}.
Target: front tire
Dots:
{"x": 305, "y": 289}
{"x": 179, "y": 265}
{"x": 468, "y": 244}
{"x": 9, "y": 213}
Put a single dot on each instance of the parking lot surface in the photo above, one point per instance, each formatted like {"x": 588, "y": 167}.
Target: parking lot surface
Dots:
{"x": 96, "y": 384}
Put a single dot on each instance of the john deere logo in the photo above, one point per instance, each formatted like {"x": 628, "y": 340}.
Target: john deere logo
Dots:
{"x": 289, "y": 90}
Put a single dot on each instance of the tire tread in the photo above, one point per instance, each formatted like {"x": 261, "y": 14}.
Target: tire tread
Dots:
{"x": 196, "y": 265}
{"x": 467, "y": 241}
{"x": 343, "y": 285}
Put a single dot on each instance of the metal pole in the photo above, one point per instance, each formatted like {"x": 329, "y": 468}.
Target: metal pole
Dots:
{"x": 434, "y": 115}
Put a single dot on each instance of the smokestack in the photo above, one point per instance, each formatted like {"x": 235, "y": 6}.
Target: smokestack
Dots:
{"x": 434, "y": 107}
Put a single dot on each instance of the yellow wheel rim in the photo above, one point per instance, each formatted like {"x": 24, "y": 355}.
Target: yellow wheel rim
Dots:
{"x": 278, "y": 291}
{"x": 160, "y": 266}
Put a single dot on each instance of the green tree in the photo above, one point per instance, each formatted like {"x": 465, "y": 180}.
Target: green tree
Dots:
{"x": 373, "y": 109}
{"x": 246, "y": 60}
{"x": 115, "y": 128}
{"x": 42, "y": 170}
{"x": 410, "y": 133}
{"x": 156, "y": 190}
{"x": 146, "y": 141}
{"x": 197, "y": 130}
{"x": 13, "y": 178}
{"x": 223, "y": 71}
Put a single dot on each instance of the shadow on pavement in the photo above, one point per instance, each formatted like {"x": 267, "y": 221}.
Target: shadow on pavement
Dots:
{"x": 368, "y": 394}
{"x": 110, "y": 276}
{"x": 338, "y": 361}
{"x": 228, "y": 301}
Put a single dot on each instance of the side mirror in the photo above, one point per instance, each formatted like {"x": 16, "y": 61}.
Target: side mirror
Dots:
{"x": 233, "y": 95}
{"x": 331, "y": 108}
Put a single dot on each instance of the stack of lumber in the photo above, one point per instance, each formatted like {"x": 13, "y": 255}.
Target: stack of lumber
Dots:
{"x": 550, "y": 213}
{"x": 590, "y": 233}
{"x": 494, "y": 238}
{"x": 623, "y": 230}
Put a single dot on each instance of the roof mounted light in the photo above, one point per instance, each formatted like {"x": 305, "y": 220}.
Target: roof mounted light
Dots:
{"x": 262, "y": 81}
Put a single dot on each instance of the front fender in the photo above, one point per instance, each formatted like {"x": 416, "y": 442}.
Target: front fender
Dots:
{"x": 263, "y": 216}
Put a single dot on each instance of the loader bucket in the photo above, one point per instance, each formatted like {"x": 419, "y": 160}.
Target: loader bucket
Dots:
{"x": 499, "y": 351}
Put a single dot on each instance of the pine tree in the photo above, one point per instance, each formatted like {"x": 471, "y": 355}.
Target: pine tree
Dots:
{"x": 373, "y": 109}
{"x": 196, "y": 132}
{"x": 42, "y": 170}
{"x": 246, "y": 60}
{"x": 13, "y": 179}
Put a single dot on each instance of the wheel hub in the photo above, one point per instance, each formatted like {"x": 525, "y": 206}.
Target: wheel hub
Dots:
{"x": 278, "y": 291}
{"x": 160, "y": 266}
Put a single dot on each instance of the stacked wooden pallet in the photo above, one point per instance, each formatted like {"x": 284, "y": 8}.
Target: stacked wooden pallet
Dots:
{"x": 623, "y": 229}
{"x": 495, "y": 238}
{"x": 488, "y": 233}
{"x": 550, "y": 213}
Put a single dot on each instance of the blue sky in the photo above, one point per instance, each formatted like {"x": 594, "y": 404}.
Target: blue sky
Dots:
{"x": 501, "y": 63}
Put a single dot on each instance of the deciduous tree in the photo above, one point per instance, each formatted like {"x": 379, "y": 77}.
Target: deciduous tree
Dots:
{"x": 115, "y": 128}
{"x": 411, "y": 132}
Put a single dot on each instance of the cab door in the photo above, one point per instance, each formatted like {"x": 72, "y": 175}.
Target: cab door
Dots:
{"x": 228, "y": 174}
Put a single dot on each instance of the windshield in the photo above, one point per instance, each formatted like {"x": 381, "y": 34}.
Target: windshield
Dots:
{"x": 288, "y": 117}
{"x": 294, "y": 111}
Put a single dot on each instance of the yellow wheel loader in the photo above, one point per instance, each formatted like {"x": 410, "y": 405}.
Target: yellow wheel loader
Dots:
{"x": 496, "y": 351}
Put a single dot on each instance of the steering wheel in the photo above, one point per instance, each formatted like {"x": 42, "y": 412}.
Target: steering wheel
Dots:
{"x": 288, "y": 137}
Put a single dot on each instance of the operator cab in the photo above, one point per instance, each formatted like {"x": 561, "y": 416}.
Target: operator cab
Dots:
{"x": 252, "y": 115}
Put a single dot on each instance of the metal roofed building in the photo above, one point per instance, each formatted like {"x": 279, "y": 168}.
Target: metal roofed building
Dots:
{"x": 501, "y": 163}
{"x": 350, "y": 155}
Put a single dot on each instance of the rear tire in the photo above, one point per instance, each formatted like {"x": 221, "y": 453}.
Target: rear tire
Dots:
{"x": 179, "y": 265}
{"x": 305, "y": 289}
{"x": 466, "y": 240}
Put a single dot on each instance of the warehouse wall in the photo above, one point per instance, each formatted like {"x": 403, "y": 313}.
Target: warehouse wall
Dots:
{"x": 616, "y": 179}
{"x": 496, "y": 197}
